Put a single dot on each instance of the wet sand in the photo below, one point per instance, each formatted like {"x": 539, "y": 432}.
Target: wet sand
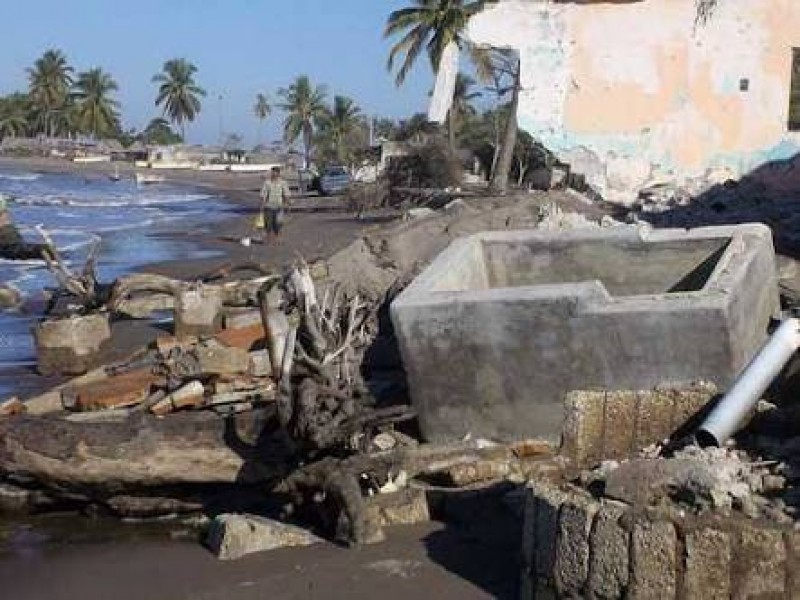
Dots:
{"x": 421, "y": 561}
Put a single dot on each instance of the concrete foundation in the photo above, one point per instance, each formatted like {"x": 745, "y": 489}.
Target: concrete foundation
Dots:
{"x": 502, "y": 325}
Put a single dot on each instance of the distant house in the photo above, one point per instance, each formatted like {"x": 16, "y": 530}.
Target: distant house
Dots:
{"x": 636, "y": 92}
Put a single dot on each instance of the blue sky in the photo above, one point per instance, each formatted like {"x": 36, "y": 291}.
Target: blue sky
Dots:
{"x": 240, "y": 47}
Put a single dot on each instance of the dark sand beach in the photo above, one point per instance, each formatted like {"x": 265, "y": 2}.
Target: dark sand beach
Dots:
{"x": 425, "y": 561}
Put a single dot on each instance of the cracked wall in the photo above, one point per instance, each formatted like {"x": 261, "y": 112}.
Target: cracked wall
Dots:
{"x": 634, "y": 94}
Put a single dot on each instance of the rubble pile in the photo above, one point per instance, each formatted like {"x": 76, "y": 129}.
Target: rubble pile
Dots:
{"x": 722, "y": 481}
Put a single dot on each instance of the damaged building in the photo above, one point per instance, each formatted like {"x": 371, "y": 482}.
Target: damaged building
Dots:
{"x": 637, "y": 93}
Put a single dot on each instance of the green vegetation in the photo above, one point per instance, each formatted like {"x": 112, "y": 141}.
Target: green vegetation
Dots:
{"x": 95, "y": 111}
{"x": 178, "y": 92}
{"x": 304, "y": 105}
{"x": 343, "y": 131}
{"x": 262, "y": 111}
{"x": 429, "y": 26}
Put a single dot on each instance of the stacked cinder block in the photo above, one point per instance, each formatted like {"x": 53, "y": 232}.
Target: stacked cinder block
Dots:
{"x": 577, "y": 546}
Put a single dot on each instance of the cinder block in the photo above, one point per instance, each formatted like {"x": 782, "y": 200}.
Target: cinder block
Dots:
{"x": 654, "y": 561}
{"x": 761, "y": 560}
{"x": 548, "y": 504}
{"x": 572, "y": 546}
{"x": 619, "y": 430}
{"x": 707, "y": 571}
{"x": 608, "y": 567}
{"x": 582, "y": 438}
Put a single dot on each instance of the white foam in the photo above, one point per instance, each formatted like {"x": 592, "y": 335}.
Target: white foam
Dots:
{"x": 20, "y": 176}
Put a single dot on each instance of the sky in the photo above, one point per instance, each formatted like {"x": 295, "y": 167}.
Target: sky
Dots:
{"x": 240, "y": 47}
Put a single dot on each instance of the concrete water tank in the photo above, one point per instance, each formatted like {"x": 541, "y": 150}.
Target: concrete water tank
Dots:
{"x": 502, "y": 324}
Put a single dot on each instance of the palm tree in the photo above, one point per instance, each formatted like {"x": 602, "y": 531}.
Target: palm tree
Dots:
{"x": 340, "y": 125}
{"x": 431, "y": 25}
{"x": 14, "y": 115}
{"x": 179, "y": 92}
{"x": 49, "y": 82}
{"x": 96, "y": 111}
{"x": 261, "y": 110}
{"x": 159, "y": 131}
{"x": 305, "y": 109}
{"x": 461, "y": 105}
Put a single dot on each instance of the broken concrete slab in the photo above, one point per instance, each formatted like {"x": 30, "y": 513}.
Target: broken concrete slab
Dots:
{"x": 233, "y": 536}
{"x": 115, "y": 392}
{"x": 198, "y": 311}
{"x": 71, "y": 346}
{"x": 502, "y": 325}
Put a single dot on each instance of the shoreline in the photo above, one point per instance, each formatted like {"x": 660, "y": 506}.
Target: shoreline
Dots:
{"x": 315, "y": 228}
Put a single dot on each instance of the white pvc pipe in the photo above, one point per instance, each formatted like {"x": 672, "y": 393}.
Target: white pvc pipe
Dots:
{"x": 729, "y": 414}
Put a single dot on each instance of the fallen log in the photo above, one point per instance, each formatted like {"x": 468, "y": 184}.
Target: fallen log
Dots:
{"x": 101, "y": 459}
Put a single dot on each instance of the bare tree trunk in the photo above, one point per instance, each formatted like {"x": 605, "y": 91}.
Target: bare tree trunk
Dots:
{"x": 499, "y": 183}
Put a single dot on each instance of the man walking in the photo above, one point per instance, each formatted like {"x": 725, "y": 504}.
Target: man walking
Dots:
{"x": 274, "y": 196}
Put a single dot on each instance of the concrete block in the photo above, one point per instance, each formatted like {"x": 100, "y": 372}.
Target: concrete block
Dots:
{"x": 654, "y": 561}
{"x": 608, "y": 566}
{"x": 260, "y": 365}
{"x": 216, "y": 359}
{"x": 707, "y": 571}
{"x": 502, "y": 325}
{"x": 584, "y": 423}
{"x": 405, "y": 507}
{"x": 198, "y": 311}
{"x": 234, "y": 536}
{"x": 619, "y": 431}
{"x": 792, "y": 558}
{"x": 571, "y": 569}
{"x": 71, "y": 346}
{"x": 761, "y": 564}
{"x": 548, "y": 505}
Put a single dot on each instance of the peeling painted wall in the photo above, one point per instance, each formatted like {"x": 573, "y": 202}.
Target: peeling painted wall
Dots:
{"x": 634, "y": 94}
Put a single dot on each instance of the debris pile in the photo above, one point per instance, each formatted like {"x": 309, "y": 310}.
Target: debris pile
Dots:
{"x": 721, "y": 481}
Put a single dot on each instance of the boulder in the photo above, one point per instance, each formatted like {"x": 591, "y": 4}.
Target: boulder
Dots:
{"x": 233, "y": 536}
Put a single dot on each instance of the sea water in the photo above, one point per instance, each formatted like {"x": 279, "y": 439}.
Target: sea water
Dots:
{"x": 76, "y": 210}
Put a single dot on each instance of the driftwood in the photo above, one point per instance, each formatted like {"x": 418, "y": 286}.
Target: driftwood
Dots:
{"x": 138, "y": 293}
{"x": 84, "y": 285}
{"x": 141, "y": 451}
{"x": 341, "y": 481}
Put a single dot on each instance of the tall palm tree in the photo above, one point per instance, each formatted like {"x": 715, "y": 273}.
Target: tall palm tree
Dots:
{"x": 339, "y": 126}
{"x": 178, "y": 92}
{"x": 96, "y": 112}
{"x": 304, "y": 105}
{"x": 49, "y": 82}
{"x": 461, "y": 105}
{"x": 430, "y": 25}
{"x": 262, "y": 109}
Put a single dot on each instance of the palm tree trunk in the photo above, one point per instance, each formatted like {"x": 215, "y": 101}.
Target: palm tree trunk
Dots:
{"x": 451, "y": 129}
{"x": 499, "y": 183}
{"x": 307, "y": 146}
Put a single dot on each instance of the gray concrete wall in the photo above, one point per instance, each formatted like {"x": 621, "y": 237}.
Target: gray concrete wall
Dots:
{"x": 498, "y": 361}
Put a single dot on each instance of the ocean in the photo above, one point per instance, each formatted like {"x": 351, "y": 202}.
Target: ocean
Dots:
{"x": 77, "y": 209}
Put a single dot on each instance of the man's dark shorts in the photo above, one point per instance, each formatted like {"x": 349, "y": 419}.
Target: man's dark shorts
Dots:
{"x": 273, "y": 219}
